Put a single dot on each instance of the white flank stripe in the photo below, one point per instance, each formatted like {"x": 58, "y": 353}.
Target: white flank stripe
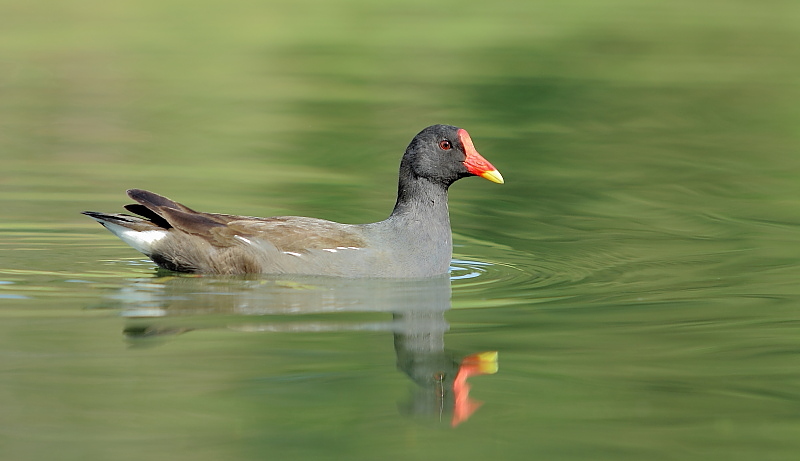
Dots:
{"x": 243, "y": 239}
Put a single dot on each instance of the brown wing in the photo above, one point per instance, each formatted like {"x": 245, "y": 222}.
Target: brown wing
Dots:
{"x": 292, "y": 233}
{"x": 287, "y": 233}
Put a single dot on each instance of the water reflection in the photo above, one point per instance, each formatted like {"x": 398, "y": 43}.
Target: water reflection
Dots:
{"x": 163, "y": 307}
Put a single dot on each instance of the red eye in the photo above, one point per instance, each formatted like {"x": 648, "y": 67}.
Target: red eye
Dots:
{"x": 445, "y": 145}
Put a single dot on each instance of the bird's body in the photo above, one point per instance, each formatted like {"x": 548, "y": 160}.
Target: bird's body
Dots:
{"x": 414, "y": 241}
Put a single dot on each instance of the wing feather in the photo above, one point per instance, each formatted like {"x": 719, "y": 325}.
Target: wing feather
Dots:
{"x": 286, "y": 233}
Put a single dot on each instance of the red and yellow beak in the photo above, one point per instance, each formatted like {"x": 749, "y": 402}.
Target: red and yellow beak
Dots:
{"x": 475, "y": 162}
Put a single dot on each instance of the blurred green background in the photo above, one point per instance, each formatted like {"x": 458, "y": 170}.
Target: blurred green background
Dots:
{"x": 641, "y": 283}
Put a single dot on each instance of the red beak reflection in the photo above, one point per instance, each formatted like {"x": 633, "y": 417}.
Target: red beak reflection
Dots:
{"x": 484, "y": 363}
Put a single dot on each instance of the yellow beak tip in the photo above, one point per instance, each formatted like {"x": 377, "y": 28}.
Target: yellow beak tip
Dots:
{"x": 493, "y": 176}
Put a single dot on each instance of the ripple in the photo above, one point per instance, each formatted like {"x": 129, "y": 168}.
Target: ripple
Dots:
{"x": 462, "y": 269}
{"x": 523, "y": 277}
{"x": 12, "y": 296}
{"x": 521, "y": 270}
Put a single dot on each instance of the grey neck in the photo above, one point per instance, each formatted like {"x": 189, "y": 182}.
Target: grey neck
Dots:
{"x": 422, "y": 200}
{"x": 417, "y": 233}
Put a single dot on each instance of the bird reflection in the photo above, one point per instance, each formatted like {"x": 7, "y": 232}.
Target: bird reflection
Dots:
{"x": 155, "y": 307}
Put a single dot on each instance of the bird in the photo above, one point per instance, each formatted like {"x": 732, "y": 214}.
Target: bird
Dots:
{"x": 415, "y": 241}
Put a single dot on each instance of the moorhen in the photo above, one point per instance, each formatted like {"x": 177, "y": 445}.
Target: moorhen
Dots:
{"x": 414, "y": 241}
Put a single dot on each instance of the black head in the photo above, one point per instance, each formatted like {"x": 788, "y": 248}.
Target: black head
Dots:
{"x": 443, "y": 154}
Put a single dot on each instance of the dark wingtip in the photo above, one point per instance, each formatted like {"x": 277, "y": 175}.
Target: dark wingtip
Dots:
{"x": 145, "y": 212}
{"x": 154, "y": 201}
{"x": 102, "y": 218}
{"x": 134, "y": 193}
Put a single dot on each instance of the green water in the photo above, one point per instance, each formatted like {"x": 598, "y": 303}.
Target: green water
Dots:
{"x": 637, "y": 273}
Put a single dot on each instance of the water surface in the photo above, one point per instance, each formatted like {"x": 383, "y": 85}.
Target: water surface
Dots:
{"x": 637, "y": 273}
